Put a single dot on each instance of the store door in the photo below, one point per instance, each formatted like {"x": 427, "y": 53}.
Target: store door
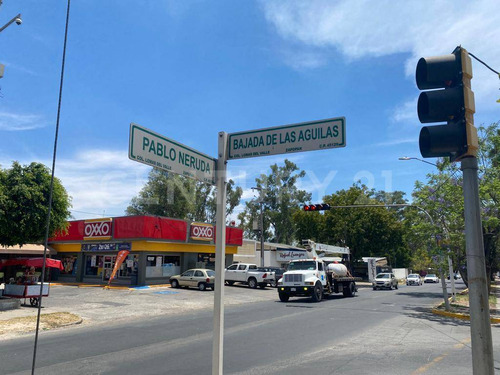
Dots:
{"x": 109, "y": 262}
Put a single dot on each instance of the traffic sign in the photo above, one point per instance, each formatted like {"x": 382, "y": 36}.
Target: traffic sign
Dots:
{"x": 306, "y": 136}
{"x": 155, "y": 150}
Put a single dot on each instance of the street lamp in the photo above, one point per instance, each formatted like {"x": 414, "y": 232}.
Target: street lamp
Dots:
{"x": 450, "y": 264}
{"x": 261, "y": 225}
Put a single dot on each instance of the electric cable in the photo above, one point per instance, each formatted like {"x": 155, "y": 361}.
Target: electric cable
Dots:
{"x": 486, "y": 65}
{"x": 50, "y": 192}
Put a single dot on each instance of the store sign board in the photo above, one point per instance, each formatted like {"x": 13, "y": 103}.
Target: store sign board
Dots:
{"x": 107, "y": 246}
{"x": 284, "y": 255}
{"x": 158, "y": 151}
{"x": 306, "y": 136}
{"x": 97, "y": 229}
{"x": 203, "y": 232}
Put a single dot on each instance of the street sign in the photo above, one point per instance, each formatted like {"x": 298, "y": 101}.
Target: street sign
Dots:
{"x": 306, "y": 136}
{"x": 155, "y": 150}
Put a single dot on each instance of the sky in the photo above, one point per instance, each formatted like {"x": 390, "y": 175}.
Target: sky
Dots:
{"x": 188, "y": 69}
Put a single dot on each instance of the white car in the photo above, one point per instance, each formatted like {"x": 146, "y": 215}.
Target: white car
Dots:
{"x": 431, "y": 278}
{"x": 413, "y": 279}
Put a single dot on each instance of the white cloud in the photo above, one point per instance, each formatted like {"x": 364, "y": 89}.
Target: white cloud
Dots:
{"x": 100, "y": 182}
{"x": 364, "y": 28}
{"x": 20, "y": 122}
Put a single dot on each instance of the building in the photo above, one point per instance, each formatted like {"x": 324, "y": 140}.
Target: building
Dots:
{"x": 158, "y": 248}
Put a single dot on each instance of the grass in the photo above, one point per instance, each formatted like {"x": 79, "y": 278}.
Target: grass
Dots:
{"x": 47, "y": 321}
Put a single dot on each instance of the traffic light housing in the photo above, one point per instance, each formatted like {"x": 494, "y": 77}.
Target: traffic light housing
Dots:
{"x": 317, "y": 207}
{"x": 452, "y": 103}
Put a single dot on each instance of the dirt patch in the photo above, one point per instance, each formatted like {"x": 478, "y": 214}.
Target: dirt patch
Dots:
{"x": 47, "y": 321}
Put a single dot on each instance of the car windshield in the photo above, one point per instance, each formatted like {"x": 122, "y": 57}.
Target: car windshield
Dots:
{"x": 383, "y": 276}
{"x": 412, "y": 276}
{"x": 210, "y": 273}
{"x": 308, "y": 265}
{"x": 431, "y": 275}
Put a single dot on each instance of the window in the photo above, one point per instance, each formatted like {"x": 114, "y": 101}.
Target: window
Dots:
{"x": 320, "y": 266}
{"x": 94, "y": 265}
{"x": 188, "y": 273}
{"x": 242, "y": 267}
{"x": 252, "y": 267}
{"x": 69, "y": 264}
{"x": 162, "y": 265}
{"x": 232, "y": 268}
{"x": 198, "y": 274}
{"x": 210, "y": 273}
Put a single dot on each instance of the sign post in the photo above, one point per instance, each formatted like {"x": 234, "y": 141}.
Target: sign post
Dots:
{"x": 305, "y": 136}
{"x": 220, "y": 255}
{"x": 155, "y": 150}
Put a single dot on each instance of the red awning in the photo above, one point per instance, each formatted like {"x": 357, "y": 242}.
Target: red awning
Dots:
{"x": 32, "y": 262}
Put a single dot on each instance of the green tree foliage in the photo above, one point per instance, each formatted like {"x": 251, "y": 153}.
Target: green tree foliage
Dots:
{"x": 24, "y": 199}
{"x": 367, "y": 231}
{"x": 442, "y": 197}
{"x": 281, "y": 199}
{"x": 170, "y": 195}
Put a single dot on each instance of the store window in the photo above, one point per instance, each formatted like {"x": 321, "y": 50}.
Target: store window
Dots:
{"x": 94, "y": 265}
{"x": 129, "y": 266}
{"x": 162, "y": 265}
{"x": 69, "y": 264}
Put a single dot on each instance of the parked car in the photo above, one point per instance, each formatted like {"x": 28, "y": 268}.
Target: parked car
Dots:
{"x": 431, "y": 278}
{"x": 278, "y": 274}
{"x": 385, "y": 281}
{"x": 249, "y": 274}
{"x": 200, "y": 278}
{"x": 413, "y": 279}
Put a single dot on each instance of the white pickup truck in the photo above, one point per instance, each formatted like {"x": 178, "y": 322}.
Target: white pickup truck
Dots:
{"x": 247, "y": 273}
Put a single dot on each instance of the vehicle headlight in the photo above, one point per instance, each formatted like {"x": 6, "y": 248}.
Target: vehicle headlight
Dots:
{"x": 309, "y": 283}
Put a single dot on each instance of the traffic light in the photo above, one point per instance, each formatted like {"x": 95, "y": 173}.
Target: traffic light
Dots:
{"x": 317, "y": 207}
{"x": 453, "y": 103}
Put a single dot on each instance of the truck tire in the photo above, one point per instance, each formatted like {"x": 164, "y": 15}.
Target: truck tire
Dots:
{"x": 252, "y": 283}
{"x": 350, "y": 290}
{"x": 284, "y": 297}
{"x": 228, "y": 282}
{"x": 317, "y": 295}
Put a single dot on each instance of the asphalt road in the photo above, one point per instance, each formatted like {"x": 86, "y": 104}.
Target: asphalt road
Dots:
{"x": 377, "y": 332}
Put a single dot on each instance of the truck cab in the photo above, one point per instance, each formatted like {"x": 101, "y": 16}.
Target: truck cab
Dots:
{"x": 310, "y": 277}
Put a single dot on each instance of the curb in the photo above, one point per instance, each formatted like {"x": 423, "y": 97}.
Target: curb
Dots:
{"x": 105, "y": 286}
{"x": 459, "y": 315}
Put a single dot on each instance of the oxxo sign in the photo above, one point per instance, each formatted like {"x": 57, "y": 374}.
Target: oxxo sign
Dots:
{"x": 97, "y": 229}
{"x": 203, "y": 232}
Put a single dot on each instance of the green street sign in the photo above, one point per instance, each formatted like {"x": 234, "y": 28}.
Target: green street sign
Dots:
{"x": 306, "y": 136}
{"x": 155, "y": 150}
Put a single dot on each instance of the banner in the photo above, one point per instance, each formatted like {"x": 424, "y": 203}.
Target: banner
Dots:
{"x": 122, "y": 255}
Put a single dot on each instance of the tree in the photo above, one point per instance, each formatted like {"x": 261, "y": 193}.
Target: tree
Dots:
{"x": 442, "y": 197}
{"x": 170, "y": 195}
{"x": 367, "y": 231}
{"x": 281, "y": 199}
{"x": 24, "y": 199}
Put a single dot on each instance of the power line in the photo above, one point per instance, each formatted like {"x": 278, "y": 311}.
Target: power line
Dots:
{"x": 486, "y": 65}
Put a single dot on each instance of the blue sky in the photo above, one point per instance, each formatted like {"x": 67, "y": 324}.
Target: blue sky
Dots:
{"x": 188, "y": 69}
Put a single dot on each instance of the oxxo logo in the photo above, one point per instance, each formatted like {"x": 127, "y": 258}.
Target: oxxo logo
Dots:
{"x": 202, "y": 232}
{"x": 97, "y": 229}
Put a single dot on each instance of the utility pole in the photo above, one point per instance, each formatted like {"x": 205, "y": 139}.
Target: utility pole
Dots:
{"x": 261, "y": 223}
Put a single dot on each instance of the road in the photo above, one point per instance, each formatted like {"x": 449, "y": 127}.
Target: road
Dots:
{"x": 377, "y": 332}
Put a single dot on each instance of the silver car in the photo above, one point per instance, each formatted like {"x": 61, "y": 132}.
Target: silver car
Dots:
{"x": 385, "y": 281}
{"x": 413, "y": 279}
{"x": 200, "y": 278}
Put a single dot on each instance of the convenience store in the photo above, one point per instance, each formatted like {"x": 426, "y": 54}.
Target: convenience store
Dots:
{"x": 158, "y": 248}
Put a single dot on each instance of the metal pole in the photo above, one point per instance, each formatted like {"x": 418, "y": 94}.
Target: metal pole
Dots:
{"x": 480, "y": 326}
{"x": 452, "y": 279}
{"x": 220, "y": 256}
{"x": 10, "y": 22}
{"x": 261, "y": 233}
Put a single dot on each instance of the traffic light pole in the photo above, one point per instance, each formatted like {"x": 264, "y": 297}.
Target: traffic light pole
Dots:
{"x": 220, "y": 255}
{"x": 481, "y": 340}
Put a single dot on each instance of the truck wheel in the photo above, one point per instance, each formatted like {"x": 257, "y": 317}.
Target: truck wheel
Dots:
{"x": 274, "y": 284}
{"x": 252, "y": 283}
{"x": 284, "y": 297}
{"x": 229, "y": 283}
{"x": 317, "y": 295}
{"x": 350, "y": 291}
